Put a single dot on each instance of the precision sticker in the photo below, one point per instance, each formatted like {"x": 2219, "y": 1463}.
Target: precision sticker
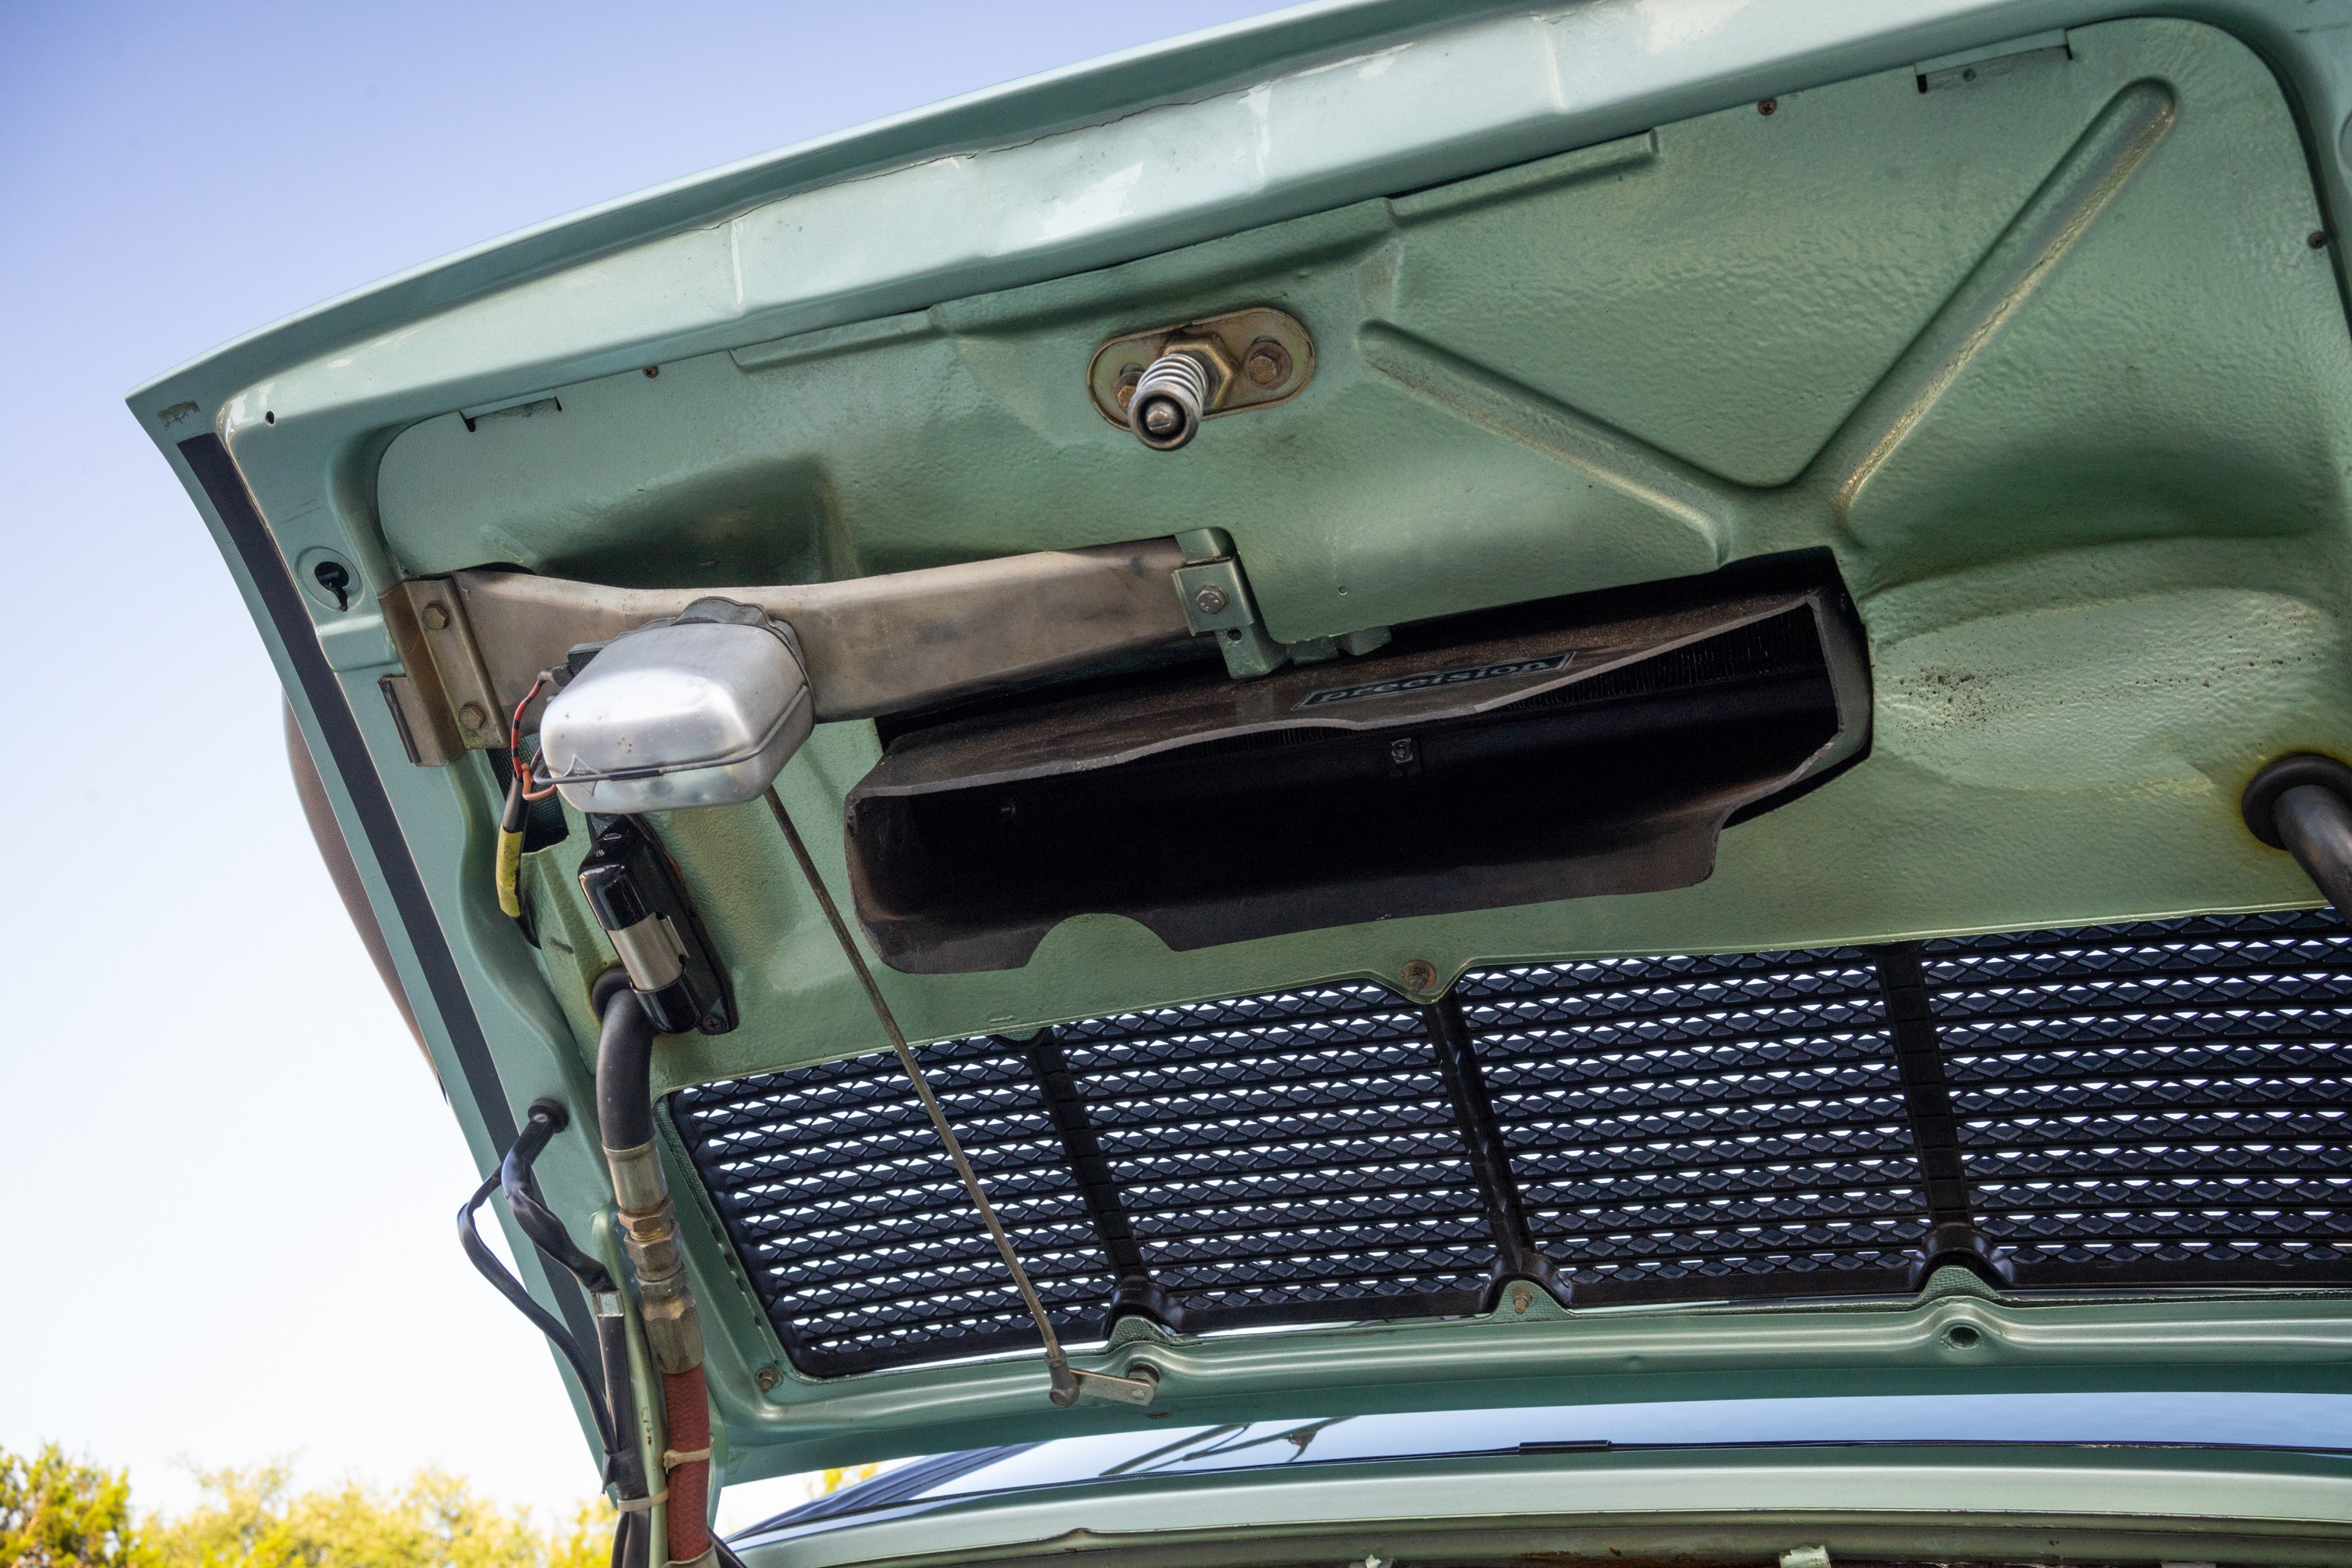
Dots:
{"x": 1402, "y": 684}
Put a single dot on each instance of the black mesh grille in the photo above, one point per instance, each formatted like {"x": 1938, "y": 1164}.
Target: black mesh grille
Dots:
{"x": 850, "y": 1221}
{"x": 2153, "y": 1104}
{"x": 2155, "y": 1101}
{"x": 1711, "y": 1123}
{"x": 1292, "y": 1152}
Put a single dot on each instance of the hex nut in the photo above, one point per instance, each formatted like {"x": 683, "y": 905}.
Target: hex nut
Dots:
{"x": 436, "y": 616}
{"x": 473, "y": 716}
{"x": 1210, "y": 600}
{"x": 1267, "y": 362}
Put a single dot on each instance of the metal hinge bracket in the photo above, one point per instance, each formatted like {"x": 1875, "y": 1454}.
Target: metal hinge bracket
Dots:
{"x": 1217, "y": 602}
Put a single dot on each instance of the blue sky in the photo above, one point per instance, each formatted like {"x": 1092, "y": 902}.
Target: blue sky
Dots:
{"x": 246, "y": 1175}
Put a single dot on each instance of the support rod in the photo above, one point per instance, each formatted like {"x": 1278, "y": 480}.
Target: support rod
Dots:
{"x": 1133, "y": 1289}
{"x": 1065, "y": 1384}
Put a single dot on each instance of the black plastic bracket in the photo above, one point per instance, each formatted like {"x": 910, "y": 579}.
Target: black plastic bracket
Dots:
{"x": 1135, "y": 1293}
{"x": 1516, "y": 1256}
{"x": 1952, "y": 1236}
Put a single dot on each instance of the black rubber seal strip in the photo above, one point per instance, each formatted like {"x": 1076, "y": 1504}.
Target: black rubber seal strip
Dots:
{"x": 1516, "y": 1256}
{"x": 224, "y": 487}
{"x": 1133, "y": 1289}
{"x": 1927, "y": 1098}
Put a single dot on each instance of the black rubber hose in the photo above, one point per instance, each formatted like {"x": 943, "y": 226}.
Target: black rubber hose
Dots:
{"x": 531, "y": 1214}
{"x": 624, "y": 1465}
{"x": 625, "y": 1060}
{"x": 624, "y": 1120}
{"x": 2302, "y": 804}
{"x": 478, "y": 1252}
{"x": 2316, "y": 825}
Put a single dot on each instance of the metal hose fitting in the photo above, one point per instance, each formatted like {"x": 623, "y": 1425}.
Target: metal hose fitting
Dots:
{"x": 649, "y": 1218}
{"x": 1175, "y": 391}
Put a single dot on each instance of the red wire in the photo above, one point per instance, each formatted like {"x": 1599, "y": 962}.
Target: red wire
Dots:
{"x": 514, "y": 725}
{"x": 531, "y": 793}
{"x": 523, "y": 770}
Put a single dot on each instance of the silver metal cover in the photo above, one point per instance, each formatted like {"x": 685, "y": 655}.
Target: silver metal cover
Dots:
{"x": 704, "y": 710}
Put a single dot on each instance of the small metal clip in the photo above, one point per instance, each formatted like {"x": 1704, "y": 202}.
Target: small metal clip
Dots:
{"x": 1141, "y": 1387}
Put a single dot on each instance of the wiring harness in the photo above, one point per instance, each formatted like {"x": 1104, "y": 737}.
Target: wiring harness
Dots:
{"x": 611, "y": 1403}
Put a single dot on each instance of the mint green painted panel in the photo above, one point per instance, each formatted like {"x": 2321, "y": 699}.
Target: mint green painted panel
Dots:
{"x": 2073, "y": 665}
{"x": 1731, "y": 300}
{"x": 974, "y": 436}
{"x": 2181, "y": 371}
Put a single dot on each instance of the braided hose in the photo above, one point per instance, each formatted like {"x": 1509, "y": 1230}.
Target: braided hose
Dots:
{"x": 686, "y": 1409}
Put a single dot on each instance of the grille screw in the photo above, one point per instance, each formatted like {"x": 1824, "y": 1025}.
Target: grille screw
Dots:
{"x": 1210, "y": 599}
{"x": 1521, "y": 1300}
{"x": 768, "y": 1377}
{"x": 1419, "y": 974}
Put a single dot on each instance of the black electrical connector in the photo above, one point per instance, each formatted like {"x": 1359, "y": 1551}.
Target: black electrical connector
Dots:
{"x": 640, "y": 901}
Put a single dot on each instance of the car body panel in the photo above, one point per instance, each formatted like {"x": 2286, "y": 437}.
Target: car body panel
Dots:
{"x": 2101, "y": 587}
{"x": 1693, "y": 1505}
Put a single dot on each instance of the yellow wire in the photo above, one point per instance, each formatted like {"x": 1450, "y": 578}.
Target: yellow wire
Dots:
{"x": 510, "y": 872}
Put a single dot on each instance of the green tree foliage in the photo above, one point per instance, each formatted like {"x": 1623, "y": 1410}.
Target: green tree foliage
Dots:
{"x": 55, "y": 1510}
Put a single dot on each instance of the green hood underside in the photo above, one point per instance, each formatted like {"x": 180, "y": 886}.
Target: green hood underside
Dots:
{"x": 2023, "y": 323}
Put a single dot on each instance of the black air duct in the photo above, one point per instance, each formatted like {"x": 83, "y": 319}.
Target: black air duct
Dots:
{"x": 1595, "y": 744}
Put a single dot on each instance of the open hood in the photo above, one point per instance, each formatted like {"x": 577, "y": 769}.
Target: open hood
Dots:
{"x": 1553, "y": 706}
